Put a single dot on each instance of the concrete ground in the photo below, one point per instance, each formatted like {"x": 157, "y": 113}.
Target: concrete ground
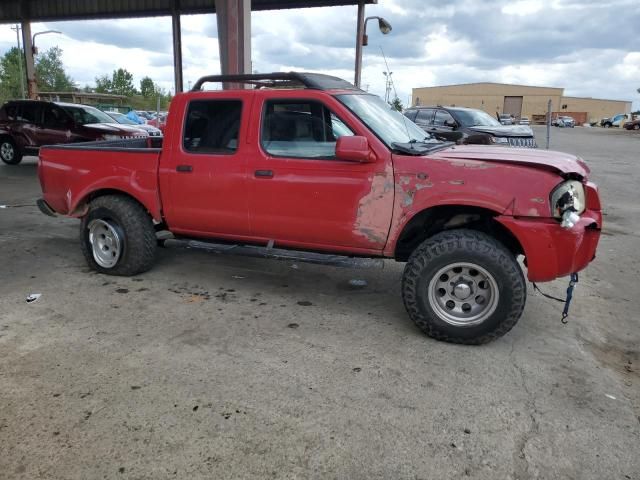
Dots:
{"x": 225, "y": 367}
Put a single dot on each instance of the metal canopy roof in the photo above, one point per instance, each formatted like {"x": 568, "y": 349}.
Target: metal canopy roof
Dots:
{"x": 12, "y": 11}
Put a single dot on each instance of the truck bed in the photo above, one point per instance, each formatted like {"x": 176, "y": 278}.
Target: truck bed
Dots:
{"x": 69, "y": 172}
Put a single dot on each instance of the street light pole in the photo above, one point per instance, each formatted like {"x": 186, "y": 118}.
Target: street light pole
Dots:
{"x": 362, "y": 39}
{"x": 30, "y": 51}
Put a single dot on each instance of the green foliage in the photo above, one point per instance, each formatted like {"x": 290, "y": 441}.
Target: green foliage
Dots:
{"x": 122, "y": 83}
{"x": 103, "y": 84}
{"x": 147, "y": 87}
{"x": 396, "y": 104}
{"x": 50, "y": 72}
{"x": 10, "y": 74}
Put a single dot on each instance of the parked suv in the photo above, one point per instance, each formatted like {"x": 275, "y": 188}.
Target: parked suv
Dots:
{"x": 469, "y": 125}
{"x": 26, "y": 125}
{"x": 615, "y": 121}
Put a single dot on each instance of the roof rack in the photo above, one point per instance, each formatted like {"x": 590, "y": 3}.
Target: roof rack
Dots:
{"x": 316, "y": 81}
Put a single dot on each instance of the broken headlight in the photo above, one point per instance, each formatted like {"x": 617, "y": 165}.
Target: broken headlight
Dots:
{"x": 568, "y": 202}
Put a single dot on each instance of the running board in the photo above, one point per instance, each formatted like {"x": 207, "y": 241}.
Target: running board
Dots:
{"x": 282, "y": 254}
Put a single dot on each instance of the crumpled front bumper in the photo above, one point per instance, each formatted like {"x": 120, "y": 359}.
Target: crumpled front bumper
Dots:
{"x": 552, "y": 251}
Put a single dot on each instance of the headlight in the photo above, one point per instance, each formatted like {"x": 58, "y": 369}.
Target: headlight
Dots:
{"x": 568, "y": 197}
{"x": 500, "y": 140}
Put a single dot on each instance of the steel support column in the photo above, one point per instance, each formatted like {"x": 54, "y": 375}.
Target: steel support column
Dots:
{"x": 234, "y": 36}
{"x": 27, "y": 45}
{"x": 177, "y": 48}
{"x": 359, "y": 41}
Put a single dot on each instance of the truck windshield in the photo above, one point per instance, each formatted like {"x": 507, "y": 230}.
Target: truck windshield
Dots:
{"x": 83, "y": 114}
{"x": 388, "y": 124}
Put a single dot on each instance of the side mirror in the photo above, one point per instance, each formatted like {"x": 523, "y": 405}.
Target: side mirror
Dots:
{"x": 353, "y": 149}
{"x": 450, "y": 123}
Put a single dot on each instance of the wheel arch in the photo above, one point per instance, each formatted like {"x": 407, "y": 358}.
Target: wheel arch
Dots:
{"x": 433, "y": 220}
{"x": 81, "y": 206}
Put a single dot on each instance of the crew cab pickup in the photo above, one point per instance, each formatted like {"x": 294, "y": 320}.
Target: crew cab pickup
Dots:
{"x": 310, "y": 165}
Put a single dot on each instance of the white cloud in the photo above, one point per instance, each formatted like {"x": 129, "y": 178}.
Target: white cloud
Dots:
{"x": 575, "y": 44}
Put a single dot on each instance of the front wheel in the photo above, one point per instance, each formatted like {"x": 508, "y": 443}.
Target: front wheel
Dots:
{"x": 117, "y": 236}
{"x": 9, "y": 152}
{"x": 636, "y": 126}
{"x": 463, "y": 286}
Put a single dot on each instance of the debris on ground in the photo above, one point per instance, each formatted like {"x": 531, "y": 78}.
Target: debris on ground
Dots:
{"x": 33, "y": 297}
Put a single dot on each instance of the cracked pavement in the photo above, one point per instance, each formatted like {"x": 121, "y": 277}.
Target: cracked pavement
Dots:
{"x": 228, "y": 367}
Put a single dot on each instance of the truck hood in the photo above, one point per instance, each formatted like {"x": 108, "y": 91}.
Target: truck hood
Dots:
{"x": 562, "y": 163}
{"x": 504, "y": 130}
{"x": 115, "y": 128}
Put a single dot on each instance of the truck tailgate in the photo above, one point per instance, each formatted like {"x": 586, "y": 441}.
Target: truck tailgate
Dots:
{"x": 69, "y": 174}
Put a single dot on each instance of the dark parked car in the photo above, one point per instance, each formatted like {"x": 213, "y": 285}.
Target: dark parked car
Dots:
{"x": 633, "y": 124}
{"x": 468, "y": 125}
{"x": 26, "y": 125}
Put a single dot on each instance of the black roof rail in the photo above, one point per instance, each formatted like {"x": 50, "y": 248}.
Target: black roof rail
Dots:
{"x": 316, "y": 81}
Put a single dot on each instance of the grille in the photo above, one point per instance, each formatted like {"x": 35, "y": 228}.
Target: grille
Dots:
{"x": 525, "y": 142}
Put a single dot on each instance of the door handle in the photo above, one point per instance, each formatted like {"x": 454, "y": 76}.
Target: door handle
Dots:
{"x": 184, "y": 168}
{"x": 264, "y": 173}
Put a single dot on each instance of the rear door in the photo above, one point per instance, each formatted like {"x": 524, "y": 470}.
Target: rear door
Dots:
{"x": 28, "y": 123}
{"x": 204, "y": 175}
{"x": 300, "y": 193}
{"x": 55, "y": 126}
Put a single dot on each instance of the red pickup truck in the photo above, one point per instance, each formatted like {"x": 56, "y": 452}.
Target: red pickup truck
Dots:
{"x": 310, "y": 167}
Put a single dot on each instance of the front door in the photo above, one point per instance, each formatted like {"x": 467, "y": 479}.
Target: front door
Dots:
{"x": 301, "y": 194}
{"x": 204, "y": 176}
{"x": 445, "y": 127}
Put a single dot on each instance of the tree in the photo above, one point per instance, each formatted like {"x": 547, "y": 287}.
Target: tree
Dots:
{"x": 396, "y": 104}
{"x": 103, "y": 84}
{"x": 122, "y": 83}
{"x": 10, "y": 74}
{"x": 147, "y": 87}
{"x": 50, "y": 72}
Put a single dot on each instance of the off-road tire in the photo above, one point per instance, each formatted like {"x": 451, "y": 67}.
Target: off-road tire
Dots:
{"x": 474, "y": 247}
{"x": 17, "y": 154}
{"x": 135, "y": 228}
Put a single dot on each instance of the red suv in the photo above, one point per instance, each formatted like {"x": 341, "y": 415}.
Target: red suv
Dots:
{"x": 26, "y": 125}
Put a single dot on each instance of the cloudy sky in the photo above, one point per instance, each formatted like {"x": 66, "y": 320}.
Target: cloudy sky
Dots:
{"x": 589, "y": 47}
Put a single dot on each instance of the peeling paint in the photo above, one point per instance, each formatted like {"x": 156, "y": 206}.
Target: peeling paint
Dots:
{"x": 422, "y": 176}
{"x": 480, "y": 165}
{"x": 537, "y": 200}
{"x": 533, "y": 212}
{"x": 375, "y": 209}
{"x": 405, "y": 180}
{"x": 407, "y": 200}
{"x": 456, "y": 182}
{"x": 420, "y": 186}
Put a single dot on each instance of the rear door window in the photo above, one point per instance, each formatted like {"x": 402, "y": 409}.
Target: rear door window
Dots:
{"x": 212, "y": 126}
{"x": 30, "y": 112}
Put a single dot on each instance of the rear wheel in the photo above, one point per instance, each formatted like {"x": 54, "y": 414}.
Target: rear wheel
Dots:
{"x": 607, "y": 125}
{"x": 117, "y": 236}
{"x": 463, "y": 286}
{"x": 636, "y": 126}
{"x": 9, "y": 152}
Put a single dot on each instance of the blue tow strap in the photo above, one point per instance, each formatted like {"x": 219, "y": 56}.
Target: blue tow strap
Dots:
{"x": 567, "y": 301}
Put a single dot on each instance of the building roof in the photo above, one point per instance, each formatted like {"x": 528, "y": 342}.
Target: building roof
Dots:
{"x": 490, "y": 83}
{"x": 47, "y": 10}
{"x": 597, "y": 99}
